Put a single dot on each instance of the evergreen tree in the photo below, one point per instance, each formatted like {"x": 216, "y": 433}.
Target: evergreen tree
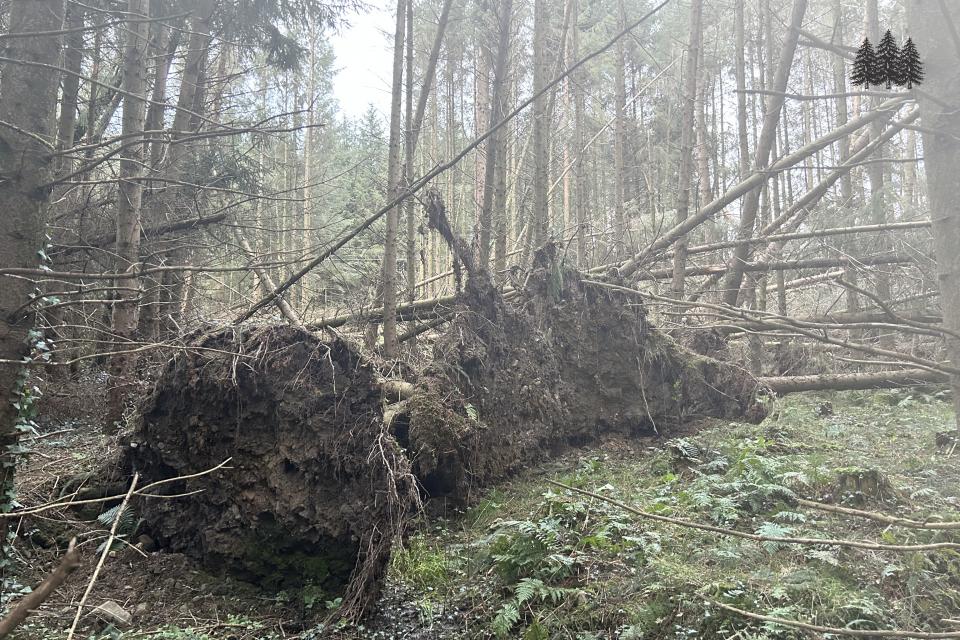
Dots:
{"x": 888, "y": 60}
{"x": 909, "y": 66}
{"x": 864, "y": 65}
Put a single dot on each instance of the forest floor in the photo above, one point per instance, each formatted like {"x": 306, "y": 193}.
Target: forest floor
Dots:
{"x": 532, "y": 560}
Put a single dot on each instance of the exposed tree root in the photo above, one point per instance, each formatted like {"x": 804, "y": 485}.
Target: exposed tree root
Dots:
{"x": 325, "y": 471}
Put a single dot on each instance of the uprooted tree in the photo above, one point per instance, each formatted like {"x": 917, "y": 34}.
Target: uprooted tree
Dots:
{"x": 328, "y": 459}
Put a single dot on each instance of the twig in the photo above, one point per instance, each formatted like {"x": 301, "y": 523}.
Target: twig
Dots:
{"x": 862, "y": 633}
{"x": 103, "y": 556}
{"x": 855, "y": 544}
{"x": 69, "y": 564}
{"x": 893, "y": 315}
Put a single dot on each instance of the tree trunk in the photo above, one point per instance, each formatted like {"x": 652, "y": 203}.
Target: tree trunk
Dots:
{"x": 309, "y": 138}
{"x": 541, "y": 129}
{"x": 743, "y": 142}
{"x": 580, "y": 136}
{"x": 188, "y": 102}
{"x": 130, "y": 193}
{"x": 751, "y": 203}
{"x": 931, "y": 29}
{"x": 28, "y": 98}
{"x": 852, "y": 381}
{"x": 878, "y": 213}
{"x": 389, "y": 272}
{"x": 409, "y": 149}
{"x": 619, "y": 138}
{"x": 686, "y": 145}
{"x": 72, "y": 62}
{"x": 495, "y": 145}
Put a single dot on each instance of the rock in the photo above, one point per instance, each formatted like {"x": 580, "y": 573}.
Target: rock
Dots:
{"x": 146, "y": 543}
{"x": 113, "y": 613}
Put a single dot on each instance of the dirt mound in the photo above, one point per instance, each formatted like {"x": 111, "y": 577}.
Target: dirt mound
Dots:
{"x": 315, "y": 488}
{"x": 512, "y": 383}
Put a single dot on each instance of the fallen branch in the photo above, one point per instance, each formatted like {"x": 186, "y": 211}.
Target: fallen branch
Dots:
{"x": 413, "y": 332}
{"x": 266, "y": 281}
{"x": 139, "y": 492}
{"x": 853, "y": 381}
{"x": 883, "y": 111}
{"x": 893, "y": 315}
{"x": 785, "y": 323}
{"x": 879, "y": 517}
{"x": 29, "y": 602}
{"x": 804, "y": 235}
{"x": 862, "y": 633}
{"x": 103, "y": 556}
{"x": 416, "y": 310}
{"x": 785, "y": 265}
{"x": 853, "y": 544}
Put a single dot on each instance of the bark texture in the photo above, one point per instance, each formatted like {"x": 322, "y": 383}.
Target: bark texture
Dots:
{"x": 28, "y": 98}
{"x": 930, "y": 24}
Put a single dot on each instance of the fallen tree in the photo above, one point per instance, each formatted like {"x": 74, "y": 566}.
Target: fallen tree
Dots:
{"x": 854, "y": 381}
{"x": 325, "y": 471}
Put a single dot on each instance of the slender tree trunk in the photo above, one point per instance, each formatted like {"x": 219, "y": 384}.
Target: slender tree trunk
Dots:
{"x": 687, "y": 118}
{"x": 72, "y": 62}
{"x": 703, "y": 144}
{"x": 580, "y": 136}
{"x": 95, "y": 63}
{"x": 731, "y": 284}
{"x": 66, "y": 130}
{"x": 740, "y": 70}
{"x": 481, "y": 120}
{"x": 878, "y": 213}
{"x": 910, "y": 173}
{"x": 619, "y": 140}
{"x": 189, "y": 100}
{"x": 168, "y": 42}
{"x": 497, "y": 111}
{"x": 852, "y": 298}
{"x": 541, "y": 127}
{"x": 409, "y": 148}
{"x": 130, "y": 193}
{"x": 171, "y": 42}
{"x": 309, "y": 137}
{"x": 389, "y": 273}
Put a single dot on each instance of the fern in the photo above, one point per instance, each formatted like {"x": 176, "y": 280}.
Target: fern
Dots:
{"x": 128, "y": 519}
{"x": 126, "y": 527}
{"x": 526, "y": 593}
{"x": 506, "y": 618}
{"x": 773, "y": 530}
{"x": 790, "y": 516}
{"x": 823, "y": 555}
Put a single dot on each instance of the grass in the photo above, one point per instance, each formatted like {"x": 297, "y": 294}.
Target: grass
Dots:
{"x": 532, "y": 561}
{"x": 555, "y": 564}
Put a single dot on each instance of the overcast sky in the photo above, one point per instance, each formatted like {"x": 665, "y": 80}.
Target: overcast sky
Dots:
{"x": 364, "y": 61}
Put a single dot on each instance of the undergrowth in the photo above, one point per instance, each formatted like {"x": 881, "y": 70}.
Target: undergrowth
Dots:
{"x": 558, "y": 564}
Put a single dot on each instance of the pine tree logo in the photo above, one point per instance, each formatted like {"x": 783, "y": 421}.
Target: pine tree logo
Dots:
{"x": 888, "y": 60}
{"x": 889, "y": 65}
{"x": 909, "y": 66}
{"x": 864, "y": 65}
